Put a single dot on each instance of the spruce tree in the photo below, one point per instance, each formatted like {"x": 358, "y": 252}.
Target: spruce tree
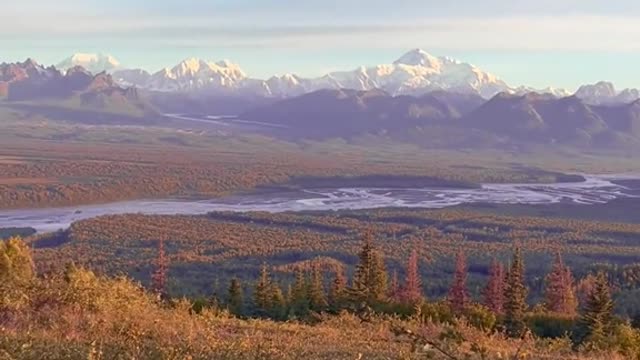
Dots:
{"x": 458, "y": 294}
{"x": 262, "y": 298}
{"x": 370, "y": 277}
{"x": 380, "y": 278}
{"x": 338, "y": 291}
{"x": 494, "y": 292}
{"x": 159, "y": 276}
{"x": 394, "y": 287}
{"x": 515, "y": 296}
{"x": 559, "y": 291}
{"x": 299, "y": 302}
{"x": 16, "y": 264}
{"x": 278, "y": 306}
{"x": 412, "y": 290}
{"x": 317, "y": 296}
{"x": 596, "y": 316}
{"x": 235, "y": 297}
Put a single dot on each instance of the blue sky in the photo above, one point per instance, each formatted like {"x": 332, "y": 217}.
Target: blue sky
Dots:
{"x": 562, "y": 43}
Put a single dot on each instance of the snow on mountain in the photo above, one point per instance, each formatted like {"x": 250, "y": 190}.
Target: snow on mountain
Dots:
{"x": 131, "y": 77}
{"x": 416, "y": 72}
{"x": 94, "y": 63}
{"x": 556, "y": 92}
{"x": 603, "y": 93}
{"x": 197, "y": 74}
{"x": 287, "y": 85}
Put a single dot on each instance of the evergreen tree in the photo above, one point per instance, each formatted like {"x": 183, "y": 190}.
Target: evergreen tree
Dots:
{"x": 559, "y": 291}
{"x": 278, "y": 306}
{"x": 494, "y": 292}
{"x": 370, "y": 277}
{"x": 338, "y": 291}
{"x": 159, "y": 276}
{"x": 412, "y": 290}
{"x": 380, "y": 278}
{"x": 16, "y": 263}
{"x": 235, "y": 297}
{"x": 262, "y": 297}
{"x": 394, "y": 287}
{"x": 458, "y": 294}
{"x": 515, "y": 296}
{"x": 299, "y": 302}
{"x": 584, "y": 287}
{"x": 596, "y": 316}
{"x": 317, "y": 296}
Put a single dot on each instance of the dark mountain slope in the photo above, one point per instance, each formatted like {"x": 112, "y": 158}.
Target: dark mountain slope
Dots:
{"x": 347, "y": 113}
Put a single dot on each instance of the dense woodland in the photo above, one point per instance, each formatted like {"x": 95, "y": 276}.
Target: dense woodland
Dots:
{"x": 205, "y": 252}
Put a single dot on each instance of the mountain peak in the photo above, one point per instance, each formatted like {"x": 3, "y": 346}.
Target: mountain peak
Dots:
{"x": 418, "y": 57}
{"x": 93, "y": 63}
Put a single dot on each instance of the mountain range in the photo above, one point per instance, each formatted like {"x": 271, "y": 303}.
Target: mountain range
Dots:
{"x": 414, "y": 73}
{"x": 456, "y": 120}
{"x": 419, "y": 98}
{"x": 32, "y": 84}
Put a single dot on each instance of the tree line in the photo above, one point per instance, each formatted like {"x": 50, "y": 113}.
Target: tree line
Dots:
{"x": 504, "y": 306}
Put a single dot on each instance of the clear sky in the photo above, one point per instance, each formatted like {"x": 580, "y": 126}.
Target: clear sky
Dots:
{"x": 562, "y": 43}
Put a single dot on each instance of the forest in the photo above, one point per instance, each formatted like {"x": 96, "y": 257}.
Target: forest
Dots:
{"x": 206, "y": 252}
{"x": 75, "y": 313}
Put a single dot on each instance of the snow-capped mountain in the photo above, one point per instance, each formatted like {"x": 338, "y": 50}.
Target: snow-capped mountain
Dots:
{"x": 556, "y": 92}
{"x": 416, "y": 72}
{"x": 131, "y": 77}
{"x": 94, "y": 63}
{"x": 603, "y": 92}
{"x": 196, "y": 74}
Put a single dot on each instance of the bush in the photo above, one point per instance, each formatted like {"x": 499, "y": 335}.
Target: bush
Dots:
{"x": 547, "y": 325}
{"x": 437, "y": 312}
{"x": 480, "y": 317}
{"x": 626, "y": 340}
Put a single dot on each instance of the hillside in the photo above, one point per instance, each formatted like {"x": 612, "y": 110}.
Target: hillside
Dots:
{"x": 77, "y": 314}
{"x": 347, "y": 113}
{"x": 48, "y": 91}
{"x": 451, "y": 120}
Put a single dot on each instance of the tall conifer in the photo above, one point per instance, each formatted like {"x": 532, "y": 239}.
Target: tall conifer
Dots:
{"x": 559, "y": 290}
{"x": 338, "y": 291}
{"x": 262, "y": 297}
{"x": 494, "y": 292}
{"x": 412, "y": 290}
{"x": 458, "y": 294}
{"x": 235, "y": 297}
{"x": 596, "y": 316}
{"x": 515, "y": 297}
{"x": 159, "y": 276}
{"x": 317, "y": 295}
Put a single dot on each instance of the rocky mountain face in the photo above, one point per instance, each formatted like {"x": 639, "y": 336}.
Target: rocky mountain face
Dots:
{"x": 28, "y": 81}
{"x": 16, "y": 73}
{"x": 456, "y": 119}
{"x": 347, "y": 113}
{"x": 604, "y": 92}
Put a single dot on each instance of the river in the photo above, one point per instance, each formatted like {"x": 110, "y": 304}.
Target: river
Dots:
{"x": 597, "y": 189}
